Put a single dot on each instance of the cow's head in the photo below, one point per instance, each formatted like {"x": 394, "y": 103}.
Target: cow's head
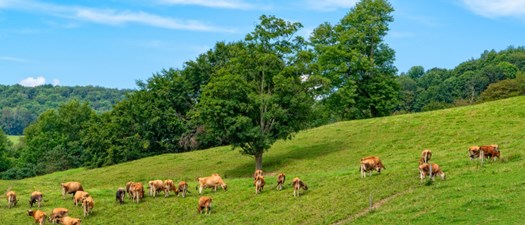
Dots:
{"x": 473, "y": 152}
{"x": 224, "y": 186}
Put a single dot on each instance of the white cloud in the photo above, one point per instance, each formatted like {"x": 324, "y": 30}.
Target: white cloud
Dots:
{"x": 56, "y": 82}
{"x": 109, "y": 16}
{"x": 496, "y": 8}
{"x": 330, "y": 5}
{"x": 228, "y": 4}
{"x": 33, "y": 82}
{"x": 12, "y": 59}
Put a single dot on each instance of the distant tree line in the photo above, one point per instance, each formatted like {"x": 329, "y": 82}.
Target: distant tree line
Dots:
{"x": 253, "y": 92}
{"x": 22, "y": 105}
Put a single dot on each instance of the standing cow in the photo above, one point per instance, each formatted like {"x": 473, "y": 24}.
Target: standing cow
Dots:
{"x": 490, "y": 151}
{"x": 297, "y": 185}
{"x": 11, "y": 199}
{"x": 182, "y": 189}
{"x": 280, "y": 181}
{"x": 204, "y": 203}
{"x": 155, "y": 186}
{"x": 120, "y": 195}
{"x": 70, "y": 188}
{"x": 426, "y": 155}
{"x": 259, "y": 184}
{"x": 36, "y": 197}
{"x": 425, "y": 170}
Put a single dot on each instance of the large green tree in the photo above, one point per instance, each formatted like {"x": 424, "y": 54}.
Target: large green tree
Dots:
{"x": 353, "y": 55}
{"x": 258, "y": 96}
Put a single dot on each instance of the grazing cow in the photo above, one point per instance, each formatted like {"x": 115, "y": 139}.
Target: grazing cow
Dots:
{"x": 212, "y": 182}
{"x": 474, "y": 152}
{"x": 88, "y": 204}
{"x": 36, "y": 197}
{"x": 370, "y": 163}
{"x": 424, "y": 170}
{"x": 38, "y": 215}
{"x": 128, "y": 185}
{"x": 11, "y": 199}
{"x": 66, "y": 220}
{"x": 259, "y": 184}
{"x": 79, "y": 196}
{"x": 257, "y": 173}
{"x": 169, "y": 186}
{"x": 120, "y": 195}
{"x": 137, "y": 191}
{"x": 204, "y": 203}
{"x": 57, "y": 214}
{"x": 280, "y": 181}
{"x": 70, "y": 188}
{"x": 490, "y": 151}
{"x": 182, "y": 188}
{"x": 155, "y": 186}
{"x": 297, "y": 185}
{"x": 425, "y": 156}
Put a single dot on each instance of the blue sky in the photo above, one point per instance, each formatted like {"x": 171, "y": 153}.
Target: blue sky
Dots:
{"x": 113, "y": 43}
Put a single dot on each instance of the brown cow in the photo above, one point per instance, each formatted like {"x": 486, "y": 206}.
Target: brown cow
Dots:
{"x": 11, "y": 199}
{"x": 280, "y": 181}
{"x": 36, "y": 196}
{"x": 370, "y": 163}
{"x": 424, "y": 170}
{"x": 169, "y": 186}
{"x": 137, "y": 191}
{"x": 259, "y": 184}
{"x": 257, "y": 173}
{"x": 204, "y": 203}
{"x": 79, "y": 196}
{"x": 183, "y": 188}
{"x": 88, "y": 204}
{"x": 70, "y": 188}
{"x": 128, "y": 185}
{"x": 297, "y": 185}
{"x": 426, "y": 155}
{"x": 57, "y": 214}
{"x": 39, "y": 216}
{"x": 212, "y": 182}
{"x": 490, "y": 151}
{"x": 155, "y": 186}
{"x": 474, "y": 152}
{"x": 66, "y": 220}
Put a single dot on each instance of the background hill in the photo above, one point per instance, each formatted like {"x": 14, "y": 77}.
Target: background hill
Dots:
{"x": 22, "y": 105}
{"x": 327, "y": 159}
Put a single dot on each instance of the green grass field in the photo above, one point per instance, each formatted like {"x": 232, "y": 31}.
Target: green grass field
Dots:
{"x": 327, "y": 160}
{"x": 14, "y": 139}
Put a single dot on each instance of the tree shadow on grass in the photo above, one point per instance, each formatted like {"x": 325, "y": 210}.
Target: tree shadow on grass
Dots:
{"x": 273, "y": 162}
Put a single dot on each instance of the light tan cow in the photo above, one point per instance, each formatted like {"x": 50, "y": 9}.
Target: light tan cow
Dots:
{"x": 79, "y": 195}
{"x": 137, "y": 191}
{"x": 280, "y": 181}
{"x": 259, "y": 184}
{"x": 70, "y": 188}
{"x": 66, "y": 220}
{"x": 426, "y": 155}
{"x": 128, "y": 186}
{"x": 38, "y": 215}
{"x": 36, "y": 197}
{"x": 155, "y": 186}
{"x": 57, "y": 214}
{"x": 257, "y": 173}
{"x": 424, "y": 170}
{"x": 11, "y": 199}
{"x": 212, "y": 181}
{"x": 370, "y": 163}
{"x": 88, "y": 204}
{"x": 297, "y": 185}
{"x": 182, "y": 188}
{"x": 204, "y": 203}
{"x": 169, "y": 186}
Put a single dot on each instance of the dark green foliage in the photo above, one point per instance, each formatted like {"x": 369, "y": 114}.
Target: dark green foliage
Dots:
{"x": 22, "y": 105}
{"x": 442, "y": 88}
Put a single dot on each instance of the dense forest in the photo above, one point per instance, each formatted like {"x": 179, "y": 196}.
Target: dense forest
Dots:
{"x": 22, "y": 105}
{"x": 253, "y": 92}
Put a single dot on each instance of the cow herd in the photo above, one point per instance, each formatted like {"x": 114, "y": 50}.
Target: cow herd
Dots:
{"x": 371, "y": 163}
{"x": 135, "y": 190}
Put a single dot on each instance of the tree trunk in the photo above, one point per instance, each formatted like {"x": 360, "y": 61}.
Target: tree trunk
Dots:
{"x": 258, "y": 160}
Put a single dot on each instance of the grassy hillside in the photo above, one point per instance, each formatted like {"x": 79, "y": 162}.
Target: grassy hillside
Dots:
{"x": 327, "y": 159}
{"x": 14, "y": 138}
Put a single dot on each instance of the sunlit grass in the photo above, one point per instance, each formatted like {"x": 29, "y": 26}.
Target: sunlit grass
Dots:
{"x": 327, "y": 159}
